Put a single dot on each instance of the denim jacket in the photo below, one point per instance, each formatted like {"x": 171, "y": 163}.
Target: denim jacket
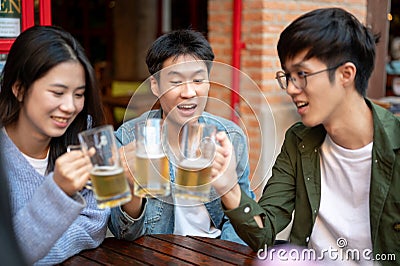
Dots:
{"x": 158, "y": 213}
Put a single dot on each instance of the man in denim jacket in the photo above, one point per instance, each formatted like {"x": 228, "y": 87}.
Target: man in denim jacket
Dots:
{"x": 180, "y": 63}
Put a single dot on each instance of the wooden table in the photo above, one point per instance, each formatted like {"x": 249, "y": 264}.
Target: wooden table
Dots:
{"x": 166, "y": 250}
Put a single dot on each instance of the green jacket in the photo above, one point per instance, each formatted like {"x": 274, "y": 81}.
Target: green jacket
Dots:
{"x": 296, "y": 185}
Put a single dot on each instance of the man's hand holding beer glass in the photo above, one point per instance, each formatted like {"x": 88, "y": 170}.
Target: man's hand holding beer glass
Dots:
{"x": 223, "y": 173}
{"x": 134, "y": 207}
{"x": 146, "y": 165}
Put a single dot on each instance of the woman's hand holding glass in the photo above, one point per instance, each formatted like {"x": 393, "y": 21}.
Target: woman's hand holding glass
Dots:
{"x": 72, "y": 171}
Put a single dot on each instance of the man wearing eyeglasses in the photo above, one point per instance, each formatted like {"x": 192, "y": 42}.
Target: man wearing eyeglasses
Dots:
{"x": 339, "y": 168}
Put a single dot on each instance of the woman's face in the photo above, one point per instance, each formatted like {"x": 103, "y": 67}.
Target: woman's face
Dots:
{"x": 53, "y": 101}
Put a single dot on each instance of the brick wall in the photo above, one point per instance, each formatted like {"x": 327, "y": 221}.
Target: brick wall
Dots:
{"x": 262, "y": 21}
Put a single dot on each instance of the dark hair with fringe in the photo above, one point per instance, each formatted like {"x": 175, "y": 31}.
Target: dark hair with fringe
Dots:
{"x": 34, "y": 52}
{"x": 176, "y": 43}
{"x": 333, "y": 36}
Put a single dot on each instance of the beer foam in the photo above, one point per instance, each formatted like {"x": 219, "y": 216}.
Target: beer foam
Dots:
{"x": 144, "y": 155}
{"x": 106, "y": 170}
{"x": 195, "y": 164}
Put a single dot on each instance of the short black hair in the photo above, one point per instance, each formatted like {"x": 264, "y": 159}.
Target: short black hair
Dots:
{"x": 176, "y": 43}
{"x": 333, "y": 36}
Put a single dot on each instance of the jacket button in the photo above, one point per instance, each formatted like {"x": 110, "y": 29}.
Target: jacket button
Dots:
{"x": 396, "y": 227}
{"x": 246, "y": 210}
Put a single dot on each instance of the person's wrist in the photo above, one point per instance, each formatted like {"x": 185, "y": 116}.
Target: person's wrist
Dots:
{"x": 134, "y": 207}
{"x": 226, "y": 184}
{"x": 231, "y": 199}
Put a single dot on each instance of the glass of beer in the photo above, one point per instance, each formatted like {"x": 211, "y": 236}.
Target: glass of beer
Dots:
{"x": 108, "y": 180}
{"x": 151, "y": 176}
{"x": 195, "y": 158}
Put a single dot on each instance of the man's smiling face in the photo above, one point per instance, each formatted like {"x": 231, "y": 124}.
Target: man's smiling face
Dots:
{"x": 182, "y": 88}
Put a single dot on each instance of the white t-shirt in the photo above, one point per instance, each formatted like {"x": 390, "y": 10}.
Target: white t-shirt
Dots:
{"x": 342, "y": 224}
{"x": 192, "y": 218}
{"x": 39, "y": 164}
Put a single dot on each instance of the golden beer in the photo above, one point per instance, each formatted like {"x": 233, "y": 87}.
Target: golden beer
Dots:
{"x": 110, "y": 186}
{"x": 193, "y": 179}
{"x": 152, "y": 175}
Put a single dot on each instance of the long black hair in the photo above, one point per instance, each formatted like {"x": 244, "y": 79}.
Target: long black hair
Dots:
{"x": 34, "y": 52}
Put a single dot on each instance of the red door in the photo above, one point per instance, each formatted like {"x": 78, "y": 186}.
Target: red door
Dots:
{"x": 26, "y": 9}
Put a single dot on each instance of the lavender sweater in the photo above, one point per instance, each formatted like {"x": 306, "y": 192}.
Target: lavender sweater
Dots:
{"x": 50, "y": 226}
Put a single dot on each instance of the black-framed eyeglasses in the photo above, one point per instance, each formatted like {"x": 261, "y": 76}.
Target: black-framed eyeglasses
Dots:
{"x": 299, "y": 79}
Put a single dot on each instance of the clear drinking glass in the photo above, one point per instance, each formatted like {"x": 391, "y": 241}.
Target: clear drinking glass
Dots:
{"x": 109, "y": 183}
{"x": 194, "y": 161}
{"x": 151, "y": 167}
